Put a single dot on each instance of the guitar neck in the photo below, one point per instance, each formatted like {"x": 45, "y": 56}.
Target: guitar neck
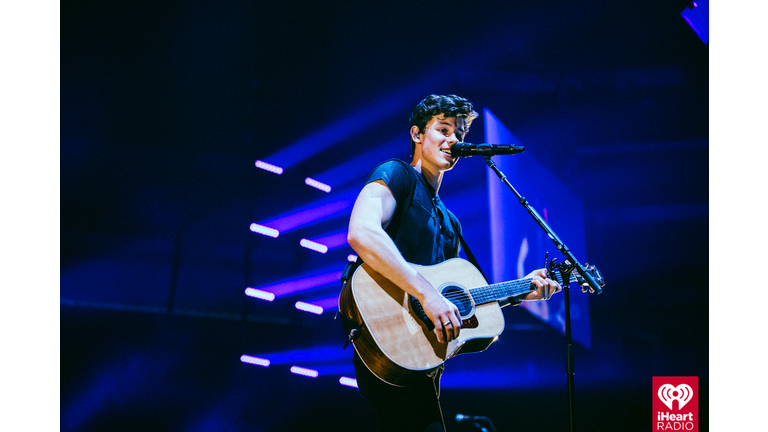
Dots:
{"x": 513, "y": 288}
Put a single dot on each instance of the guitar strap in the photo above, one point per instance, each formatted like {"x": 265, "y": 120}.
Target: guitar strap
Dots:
{"x": 352, "y": 328}
{"x": 506, "y": 302}
{"x": 466, "y": 248}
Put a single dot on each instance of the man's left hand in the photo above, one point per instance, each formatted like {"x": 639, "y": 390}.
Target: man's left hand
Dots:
{"x": 545, "y": 286}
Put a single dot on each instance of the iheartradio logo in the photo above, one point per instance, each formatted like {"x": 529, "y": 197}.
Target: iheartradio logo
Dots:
{"x": 671, "y": 416}
{"x": 669, "y": 393}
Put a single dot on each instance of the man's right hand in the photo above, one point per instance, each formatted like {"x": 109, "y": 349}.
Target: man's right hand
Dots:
{"x": 444, "y": 315}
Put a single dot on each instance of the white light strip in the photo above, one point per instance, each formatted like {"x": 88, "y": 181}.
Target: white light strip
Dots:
{"x": 254, "y": 360}
{"x": 259, "y": 294}
{"x": 304, "y": 371}
{"x": 315, "y": 246}
{"x": 264, "y": 230}
{"x": 349, "y": 382}
{"x": 317, "y": 185}
{"x": 307, "y": 307}
{"x": 269, "y": 167}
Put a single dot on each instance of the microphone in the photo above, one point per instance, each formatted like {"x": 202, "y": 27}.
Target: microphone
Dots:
{"x": 464, "y": 149}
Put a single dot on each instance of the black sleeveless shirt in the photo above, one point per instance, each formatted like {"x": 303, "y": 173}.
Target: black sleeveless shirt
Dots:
{"x": 420, "y": 227}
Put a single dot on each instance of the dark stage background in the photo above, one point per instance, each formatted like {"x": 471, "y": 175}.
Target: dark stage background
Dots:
{"x": 166, "y": 106}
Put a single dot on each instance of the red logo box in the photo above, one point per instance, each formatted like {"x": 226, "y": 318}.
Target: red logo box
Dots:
{"x": 675, "y": 403}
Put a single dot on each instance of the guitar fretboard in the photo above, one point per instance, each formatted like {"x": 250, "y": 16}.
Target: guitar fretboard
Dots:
{"x": 504, "y": 290}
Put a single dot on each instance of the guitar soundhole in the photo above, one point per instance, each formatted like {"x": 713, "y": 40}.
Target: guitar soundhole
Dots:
{"x": 460, "y": 298}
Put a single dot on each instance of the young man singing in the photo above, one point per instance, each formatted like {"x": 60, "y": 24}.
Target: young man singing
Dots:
{"x": 398, "y": 218}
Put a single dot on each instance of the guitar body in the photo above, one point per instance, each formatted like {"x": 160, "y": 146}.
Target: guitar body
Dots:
{"x": 395, "y": 343}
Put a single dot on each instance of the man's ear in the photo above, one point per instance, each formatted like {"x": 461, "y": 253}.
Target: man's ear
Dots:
{"x": 415, "y": 134}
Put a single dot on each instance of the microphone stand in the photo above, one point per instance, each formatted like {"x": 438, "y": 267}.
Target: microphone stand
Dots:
{"x": 569, "y": 265}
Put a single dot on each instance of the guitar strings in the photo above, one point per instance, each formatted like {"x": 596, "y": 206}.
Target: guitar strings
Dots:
{"x": 500, "y": 290}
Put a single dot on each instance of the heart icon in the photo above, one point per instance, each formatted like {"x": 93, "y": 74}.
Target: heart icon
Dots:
{"x": 668, "y": 393}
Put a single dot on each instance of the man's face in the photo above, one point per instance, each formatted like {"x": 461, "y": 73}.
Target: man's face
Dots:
{"x": 440, "y": 135}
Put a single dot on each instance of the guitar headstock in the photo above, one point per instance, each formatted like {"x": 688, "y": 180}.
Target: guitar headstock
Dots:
{"x": 594, "y": 273}
{"x": 555, "y": 269}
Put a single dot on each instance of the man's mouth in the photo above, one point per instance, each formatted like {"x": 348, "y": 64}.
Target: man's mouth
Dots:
{"x": 448, "y": 152}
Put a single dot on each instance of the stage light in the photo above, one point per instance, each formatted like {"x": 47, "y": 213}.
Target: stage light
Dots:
{"x": 264, "y": 230}
{"x": 304, "y": 371}
{"x": 334, "y": 240}
{"x": 359, "y": 167}
{"x": 269, "y": 167}
{"x": 357, "y": 121}
{"x": 307, "y": 307}
{"x": 310, "y": 214}
{"x": 352, "y": 258}
{"x": 303, "y": 282}
{"x": 254, "y": 360}
{"x": 349, "y": 382}
{"x": 317, "y": 185}
{"x": 698, "y": 19}
{"x": 325, "y": 302}
{"x": 317, "y": 247}
{"x": 328, "y": 354}
{"x": 259, "y": 294}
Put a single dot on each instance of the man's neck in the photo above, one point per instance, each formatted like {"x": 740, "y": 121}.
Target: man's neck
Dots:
{"x": 433, "y": 178}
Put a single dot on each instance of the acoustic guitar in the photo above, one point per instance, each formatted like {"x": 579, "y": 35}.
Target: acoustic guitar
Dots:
{"x": 394, "y": 337}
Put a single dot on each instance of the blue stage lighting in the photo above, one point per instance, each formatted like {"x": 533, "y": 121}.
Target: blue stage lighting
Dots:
{"x": 698, "y": 19}
{"x": 269, "y": 167}
{"x": 315, "y": 246}
{"x": 326, "y": 302}
{"x": 264, "y": 230}
{"x": 310, "y": 214}
{"x": 303, "y": 283}
{"x": 334, "y": 240}
{"x": 347, "y": 381}
{"x": 317, "y": 185}
{"x": 304, "y": 371}
{"x": 307, "y": 307}
{"x": 254, "y": 360}
{"x": 259, "y": 294}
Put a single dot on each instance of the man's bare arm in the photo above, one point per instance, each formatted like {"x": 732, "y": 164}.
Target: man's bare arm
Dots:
{"x": 373, "y": 210}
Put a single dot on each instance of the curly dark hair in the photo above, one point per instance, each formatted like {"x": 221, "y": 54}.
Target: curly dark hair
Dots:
{"x": 432, "y": 105}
